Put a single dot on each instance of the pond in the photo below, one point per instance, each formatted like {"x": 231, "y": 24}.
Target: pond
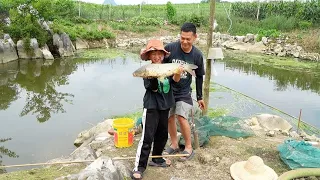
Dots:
{"x": 45, "y": 104}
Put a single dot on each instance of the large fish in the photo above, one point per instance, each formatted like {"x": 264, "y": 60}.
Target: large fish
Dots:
{"x": 161, "y": 71}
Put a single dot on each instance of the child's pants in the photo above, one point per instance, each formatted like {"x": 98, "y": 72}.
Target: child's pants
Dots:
{"x": 155, "y": 129}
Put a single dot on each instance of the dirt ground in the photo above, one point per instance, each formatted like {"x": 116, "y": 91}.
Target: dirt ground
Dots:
{"x": 214, "y": 160}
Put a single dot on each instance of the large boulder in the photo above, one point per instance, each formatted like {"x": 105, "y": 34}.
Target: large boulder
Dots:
{"x": 273, "y": 122}
{"x": 85, "y": 135}
{"x": 35, "y": 53}
{"x": 46, "y": 53}
{"x": 256, "y": 47}
{"x": 63, "y": 45}
{"x": 102, "y": 168}
{"x": 7, "y": 50}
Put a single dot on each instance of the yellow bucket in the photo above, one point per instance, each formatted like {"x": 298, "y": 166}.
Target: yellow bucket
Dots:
{"x": 123, "y": 132}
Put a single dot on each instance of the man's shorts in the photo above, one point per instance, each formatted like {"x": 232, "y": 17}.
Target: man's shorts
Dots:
{"x": 181, "y": 108}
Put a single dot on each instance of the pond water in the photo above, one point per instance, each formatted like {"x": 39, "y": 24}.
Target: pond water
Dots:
{"x": 45, "y": 104}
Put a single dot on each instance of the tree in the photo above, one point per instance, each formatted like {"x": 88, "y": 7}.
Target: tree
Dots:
{"x": 6, "y": 152}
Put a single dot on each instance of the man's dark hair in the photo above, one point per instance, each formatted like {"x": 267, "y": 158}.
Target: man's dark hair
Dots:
{"x": 189, "y": 27}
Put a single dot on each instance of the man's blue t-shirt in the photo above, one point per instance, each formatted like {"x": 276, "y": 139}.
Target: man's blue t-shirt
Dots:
{"x": 182, "y": 89}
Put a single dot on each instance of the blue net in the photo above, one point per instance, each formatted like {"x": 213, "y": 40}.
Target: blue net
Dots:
{"x": 299, "y": 154}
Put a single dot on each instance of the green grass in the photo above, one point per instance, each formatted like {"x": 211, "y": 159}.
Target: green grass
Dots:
{"x": 42, "y": 173}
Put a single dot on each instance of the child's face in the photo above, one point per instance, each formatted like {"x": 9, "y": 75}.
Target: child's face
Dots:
{"x": 156, "y": 56}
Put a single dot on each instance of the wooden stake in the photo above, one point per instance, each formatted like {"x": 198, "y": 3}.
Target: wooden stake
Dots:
{"x": 206, "y": 88}
{"x": 299, "y": 121}
{"x": 70, "y": 162}
{"x": 195, "y": 133}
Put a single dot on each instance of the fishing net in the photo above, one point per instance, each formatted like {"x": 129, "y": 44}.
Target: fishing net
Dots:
{"x": 228, "y": 126}
{"x": 299, "y": 154}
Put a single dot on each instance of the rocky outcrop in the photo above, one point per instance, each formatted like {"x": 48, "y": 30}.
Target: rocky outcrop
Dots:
{"x": 46, "y": 53}
{"x": 7, "y": 50}
{"x": 63, "y": 45}
{"x": 35, "y": 53}
{"x": 81, "y": 44}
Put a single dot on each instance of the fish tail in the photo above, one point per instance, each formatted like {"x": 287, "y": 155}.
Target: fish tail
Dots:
{"x": 189, "y": 68}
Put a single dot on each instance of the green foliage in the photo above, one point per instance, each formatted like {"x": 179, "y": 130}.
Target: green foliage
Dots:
{"x": 304, "y": 24}
{"x": 26, "y": 24}
{"x": 143, "y": 21}
{"x": 197, "y": 20}
{"x": 280, "y": 23}
{"x": 171, "y": 11}
{"x": 79, "y": 31}
{"x": 272, "y": 33}
{"x": 65, "y": 8}
{"x": 308, "y": 11}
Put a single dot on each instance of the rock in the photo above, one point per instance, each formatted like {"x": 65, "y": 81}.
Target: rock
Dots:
{"x": 264, "y": 40}
{"x": 84, "y": 153}
{"x": 46, "y": 53}
{"x": 216, "y": 36}
{"x": 294, "y": 134}
{"x": 81, "y": 44}
{"x": 257, "y": 47}
{"x": 35, "y": 53}
{"x": 63, "y": 45}
{"x": 217, "y": 159}
{"x": 102, "y": 127}
{"x": 310, "y": 56}
{"x": 285, "y": 133}
{"x": 311, "y": 138}
{"x": 225, "y": 37}
{"x": 278, "y": 48}
{"x": 271, "y": 133}
{"x": 123, "y": 169}
{"x": 240, "y": 38}
{"x": 249, "y": 38}
{"x": 282, "y": 54}
{"x": 7, "y": 50}
{"x": 271, "y": 122}
{"x": 95, "y": 145}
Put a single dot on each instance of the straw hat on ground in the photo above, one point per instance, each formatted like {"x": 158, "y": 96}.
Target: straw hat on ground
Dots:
{"x": 153, "y": 44}
{"x": 252, "y": 169}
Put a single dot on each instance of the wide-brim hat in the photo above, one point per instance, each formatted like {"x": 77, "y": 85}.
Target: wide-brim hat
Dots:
{"x": 252, "y": 169}
{"x": 153, "y": 44}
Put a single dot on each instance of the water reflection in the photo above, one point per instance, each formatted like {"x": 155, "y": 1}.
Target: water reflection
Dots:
{"x": 5, "y": 152}
{"x": 40, "y": 80}
{"x": 282, "y": 77}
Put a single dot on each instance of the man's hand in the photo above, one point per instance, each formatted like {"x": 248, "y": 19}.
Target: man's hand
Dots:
{"x": 201, "y": 104}
{"x": 179, "y": 70}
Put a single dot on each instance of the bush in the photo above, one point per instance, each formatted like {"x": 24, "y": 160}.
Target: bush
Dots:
{"x": 304, "y": 24}
{"x": 272, "y": 33}
{"x": 280, "y": 22}
{"x": 140, "y": 20}
{"x": 171, "y": 11}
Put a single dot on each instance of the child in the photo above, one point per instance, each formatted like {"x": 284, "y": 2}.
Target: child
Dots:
{"x": 157, "y": 101}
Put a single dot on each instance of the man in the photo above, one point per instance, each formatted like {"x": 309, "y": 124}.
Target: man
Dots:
{"x": 183, "y": 52}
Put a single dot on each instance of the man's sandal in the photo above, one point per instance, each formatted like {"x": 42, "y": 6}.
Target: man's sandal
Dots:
{"x": 170, "y": 150}
{"x": 185, "y": 158}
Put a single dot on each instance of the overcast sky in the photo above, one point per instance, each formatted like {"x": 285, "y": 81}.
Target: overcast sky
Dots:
{"x": 118, "y": 2}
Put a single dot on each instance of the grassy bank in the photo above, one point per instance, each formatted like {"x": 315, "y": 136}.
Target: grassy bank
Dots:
{"x": 104, "y": 21}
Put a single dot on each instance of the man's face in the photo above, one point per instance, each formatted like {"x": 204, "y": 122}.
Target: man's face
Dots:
{"x": 156, "y": 56}
{"x": 186, "y": 40}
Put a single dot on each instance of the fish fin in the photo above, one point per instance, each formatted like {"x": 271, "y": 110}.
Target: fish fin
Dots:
{"x": 161, "y": 79}
{"x": 189, "y": 67}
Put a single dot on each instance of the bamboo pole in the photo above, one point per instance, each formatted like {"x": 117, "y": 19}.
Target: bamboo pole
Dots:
{"x": 83, "y": 161}
{"x": 208, "y": 62}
